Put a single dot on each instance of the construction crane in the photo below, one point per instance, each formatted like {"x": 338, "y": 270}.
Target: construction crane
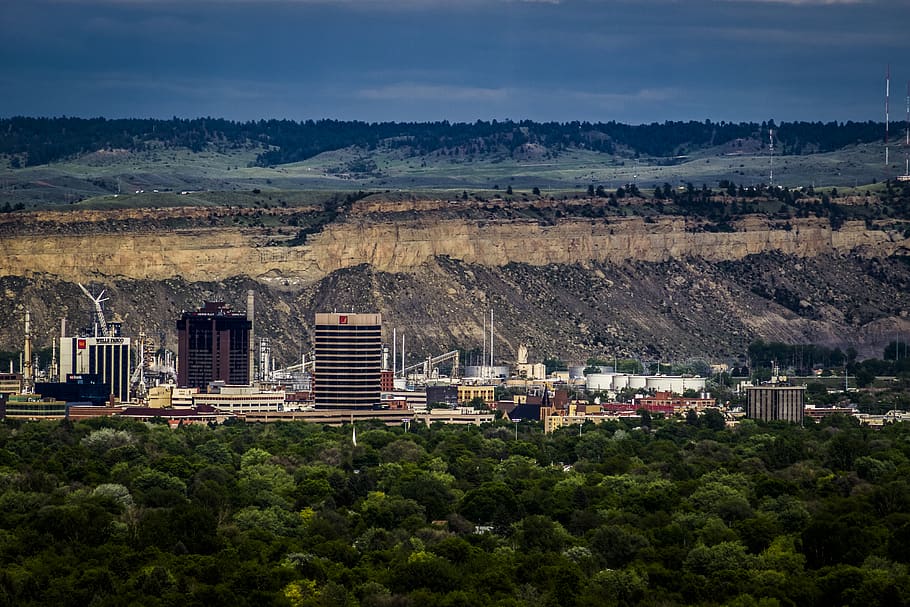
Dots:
{"x": 137, "y": 380}
{"x": 306, "y": 364}
{"x": 100, "y": 323}
{"x": 432, "y": 361}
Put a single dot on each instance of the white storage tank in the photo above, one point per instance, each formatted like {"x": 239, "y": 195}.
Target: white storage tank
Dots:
{"x": 486, "y": 372}
{"x": 664, "y": 383}
{"x": 577, "y": 371}
{"x": 637, "y": 382}
{"x": 599, "y": 381}
{"x": 620, "y": 381}
{"x": 694, "y": 383}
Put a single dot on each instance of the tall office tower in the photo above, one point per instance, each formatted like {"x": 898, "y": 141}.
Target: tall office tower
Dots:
{"x": 213, "y": 344}
{"x": 348, "y": 360}
{"x": 776, "y": 403}
{"x": 107, "y": 357}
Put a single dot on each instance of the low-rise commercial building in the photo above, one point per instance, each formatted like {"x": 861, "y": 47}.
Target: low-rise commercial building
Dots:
{"x": 459, "y": 416}
{"x": 239, "y": 399}
{"x": 10, "y": 383}
{"x": 32, "y": 407}
{"x": 665, "y": 402}
{"x": 467, "y": 393}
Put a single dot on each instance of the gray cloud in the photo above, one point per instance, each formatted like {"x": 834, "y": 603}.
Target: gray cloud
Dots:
{"x": 628, "y": 60}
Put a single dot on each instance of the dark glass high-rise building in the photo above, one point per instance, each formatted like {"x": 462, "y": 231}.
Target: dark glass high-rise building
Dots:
{"x": 348, "y": 361}
{"x": 213, "y": 345}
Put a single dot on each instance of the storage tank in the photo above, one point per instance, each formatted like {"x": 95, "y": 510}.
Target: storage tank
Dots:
{"x": 486, "y": 372}
{"x": 654, "y": 382}
{"x": 599, "y": 381}
{"x": 694, "y": 383}
{"x": 620, "y": 381}
{"x": 637, "y": 382}
{"x": 577, "y": 371}
{"x": 664, "y": 383}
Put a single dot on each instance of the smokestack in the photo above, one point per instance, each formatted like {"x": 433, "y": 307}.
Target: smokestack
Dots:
{"x": 250, "y": 300}
{"x": 62, "y": 328}
{"x": 491, "y": 341}
{"x": 483, "y": 357}
{"x": 27, "y": 363}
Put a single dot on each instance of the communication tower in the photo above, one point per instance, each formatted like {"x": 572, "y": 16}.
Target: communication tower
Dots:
{"x": 906, "y": 175}
{"x": 771, "y": 150}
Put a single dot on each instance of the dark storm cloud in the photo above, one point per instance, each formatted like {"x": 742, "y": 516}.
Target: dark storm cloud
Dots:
{"x": 631, "y": 61}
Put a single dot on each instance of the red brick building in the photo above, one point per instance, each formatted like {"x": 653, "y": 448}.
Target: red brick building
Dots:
{"x": 665, "y": 402}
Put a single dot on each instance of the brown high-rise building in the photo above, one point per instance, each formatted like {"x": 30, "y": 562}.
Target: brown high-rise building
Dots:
{"x": 213, "y": 345}
{"x": 348, "y": 361}
{"x": 770, "y": 403}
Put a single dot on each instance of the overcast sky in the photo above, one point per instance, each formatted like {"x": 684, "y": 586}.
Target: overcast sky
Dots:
{"x": 632, "y": 61}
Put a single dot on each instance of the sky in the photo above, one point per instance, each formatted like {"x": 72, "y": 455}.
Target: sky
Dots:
{"x": 633, "y": 61}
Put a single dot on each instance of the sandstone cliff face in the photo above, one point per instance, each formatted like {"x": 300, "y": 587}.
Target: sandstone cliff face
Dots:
{"x": 217, "y": 253}
{"x": 574, "y": 287}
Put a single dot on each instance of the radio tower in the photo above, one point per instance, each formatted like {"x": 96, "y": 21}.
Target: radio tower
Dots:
{"x": 907, "y": 137}
{"x": 771, "y": 148}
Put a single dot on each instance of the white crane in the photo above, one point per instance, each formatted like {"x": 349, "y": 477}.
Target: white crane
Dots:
{"x": 137, "y": 379}
{"x": 432, "y": 361}
{"x": 100, "y": 323}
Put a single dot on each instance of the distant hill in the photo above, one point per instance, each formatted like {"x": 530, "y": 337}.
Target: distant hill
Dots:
{"x": 31, "y": 141}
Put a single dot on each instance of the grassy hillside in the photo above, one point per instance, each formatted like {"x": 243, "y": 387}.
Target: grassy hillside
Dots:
{"x": 49, "y": 162}
{"x": 221, "y": 176}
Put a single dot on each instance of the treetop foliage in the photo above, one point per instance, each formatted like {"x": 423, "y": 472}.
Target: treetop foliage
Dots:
{"x": 112, "y": 512}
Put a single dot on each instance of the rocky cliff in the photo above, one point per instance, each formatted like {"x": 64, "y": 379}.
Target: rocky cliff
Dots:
{"x": 577, "y": 286}
{"x": 400, "y": 245}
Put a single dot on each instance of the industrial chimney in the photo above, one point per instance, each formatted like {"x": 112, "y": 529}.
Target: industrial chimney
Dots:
{"x": 27, "y": 371}
{"x": 250, "y": 299}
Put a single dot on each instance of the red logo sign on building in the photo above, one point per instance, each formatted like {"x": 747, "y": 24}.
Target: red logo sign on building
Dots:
{"x": 342, "y": 320}
{"x": 80, "y": 343}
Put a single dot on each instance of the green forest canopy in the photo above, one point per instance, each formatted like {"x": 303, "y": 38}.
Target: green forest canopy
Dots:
{"x": 114, "y": 512}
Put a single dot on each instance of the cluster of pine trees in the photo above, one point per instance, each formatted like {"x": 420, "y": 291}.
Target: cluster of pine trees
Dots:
{"x": 35, "y": 141}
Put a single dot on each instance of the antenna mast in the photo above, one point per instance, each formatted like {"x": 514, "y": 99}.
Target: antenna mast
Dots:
{"x": 907, "y": 139}
{"x": 771, "y": 147}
